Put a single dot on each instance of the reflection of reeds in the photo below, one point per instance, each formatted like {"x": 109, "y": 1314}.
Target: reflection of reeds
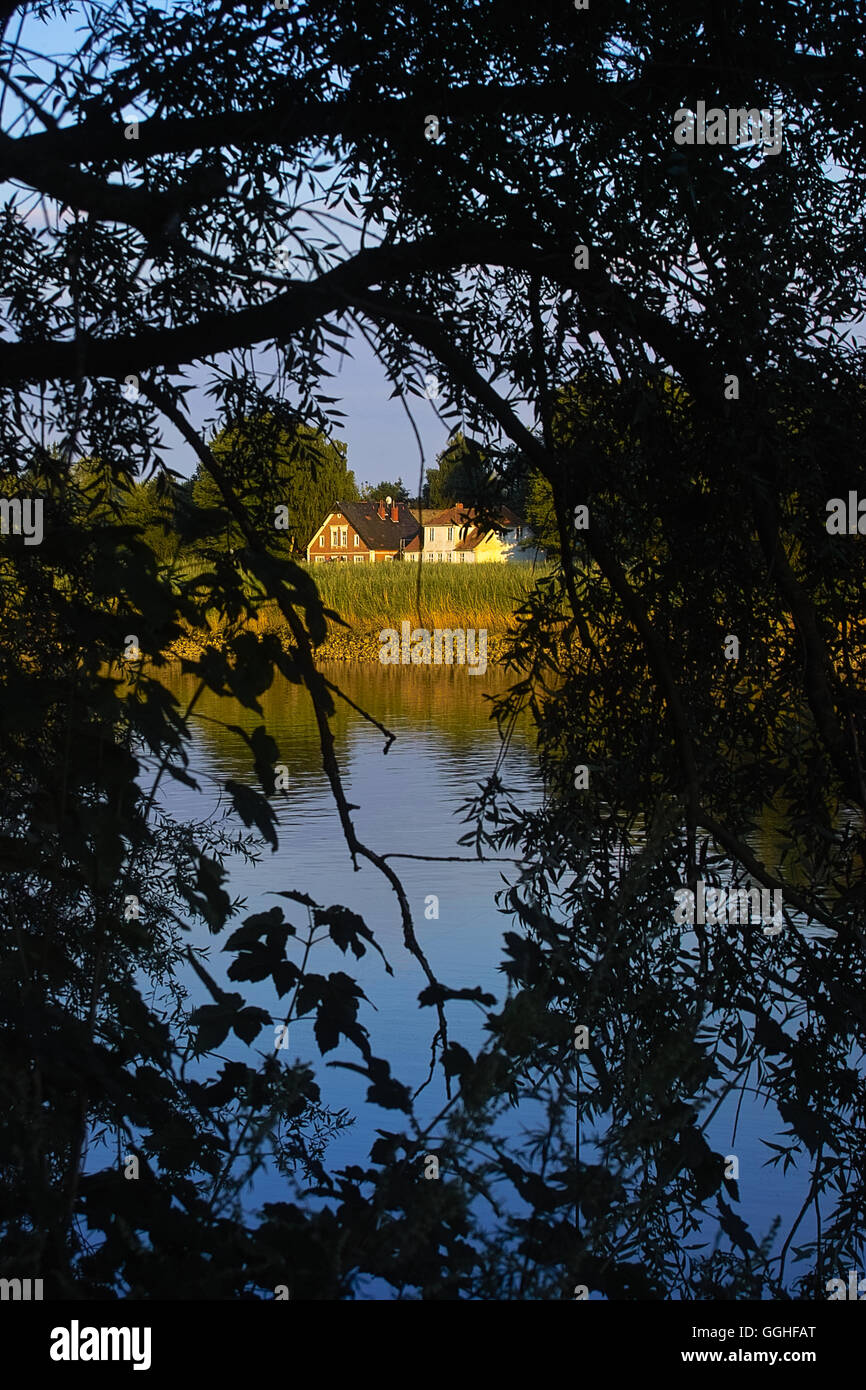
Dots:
{"x": 439, "y": 701}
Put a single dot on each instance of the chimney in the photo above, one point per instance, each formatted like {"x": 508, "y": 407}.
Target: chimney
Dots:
{"x": 381, "y": 510}
{"x": 395, "y": 512}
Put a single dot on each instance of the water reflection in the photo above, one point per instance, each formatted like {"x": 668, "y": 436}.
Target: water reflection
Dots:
{"x": 409, "y": 802}
{"x": 704, "y": 1045}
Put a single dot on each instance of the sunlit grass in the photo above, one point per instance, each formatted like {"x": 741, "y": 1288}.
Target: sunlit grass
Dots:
{"x": 371, "y": 597}
{"x": 377, "y": 596}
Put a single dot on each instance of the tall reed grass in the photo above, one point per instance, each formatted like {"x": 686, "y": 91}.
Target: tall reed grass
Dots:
{"x": 371, "y": 597}
{"x": 377, "y": 596}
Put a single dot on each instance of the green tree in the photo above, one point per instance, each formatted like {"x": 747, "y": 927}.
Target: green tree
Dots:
{"x": 152, "y": 508}
{"x": 442, "y": 479}
{"x": 482, "y": 477}
{"x": 541, "y": 513}
{"x": 272, "y": 466}
{"x": 377, "y": 492}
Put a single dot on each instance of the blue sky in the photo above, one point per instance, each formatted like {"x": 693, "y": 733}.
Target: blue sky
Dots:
{"x": 381, "y": 441}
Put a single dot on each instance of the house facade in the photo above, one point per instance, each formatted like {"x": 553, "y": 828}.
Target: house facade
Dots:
{"x": 369, "y": 532}
{"x": 363, "y": 533}
{"x": 451, "y": 537}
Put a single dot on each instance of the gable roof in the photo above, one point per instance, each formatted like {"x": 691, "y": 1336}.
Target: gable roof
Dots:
{"x": 464, "y": 516}
{"x": 376, "y": 533}
{"x": 451, "y": 516}
{"x": 461, "y": 517}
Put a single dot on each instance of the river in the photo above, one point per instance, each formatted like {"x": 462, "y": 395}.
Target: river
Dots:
{"x": 409, "y": 803}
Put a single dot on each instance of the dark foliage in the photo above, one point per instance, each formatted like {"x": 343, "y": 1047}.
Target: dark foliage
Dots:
{"x": 218, "y": 226}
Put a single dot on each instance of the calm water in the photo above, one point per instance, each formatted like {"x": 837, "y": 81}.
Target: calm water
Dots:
{"x": 409, "y": 803}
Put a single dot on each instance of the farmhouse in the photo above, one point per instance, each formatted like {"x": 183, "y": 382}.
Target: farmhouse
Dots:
{"x": 451, "y": 536}
{"x": 363, "y": 533}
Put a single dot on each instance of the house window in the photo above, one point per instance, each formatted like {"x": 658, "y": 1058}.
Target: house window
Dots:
{"x": 429, "y": 533}
{"x": 335, "y": 537}
{"x": 322, "y": 539}
{"x": 518, "y": 532}
{"x": 344, "y": 536}
{"x": 359, "y": 559}
{"x": 450, "y": 533}
{"x": 357, "y": 540}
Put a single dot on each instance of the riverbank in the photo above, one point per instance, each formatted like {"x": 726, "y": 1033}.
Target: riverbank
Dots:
{"x": 371, "y": 598}
{"x": 340, "y": 645}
